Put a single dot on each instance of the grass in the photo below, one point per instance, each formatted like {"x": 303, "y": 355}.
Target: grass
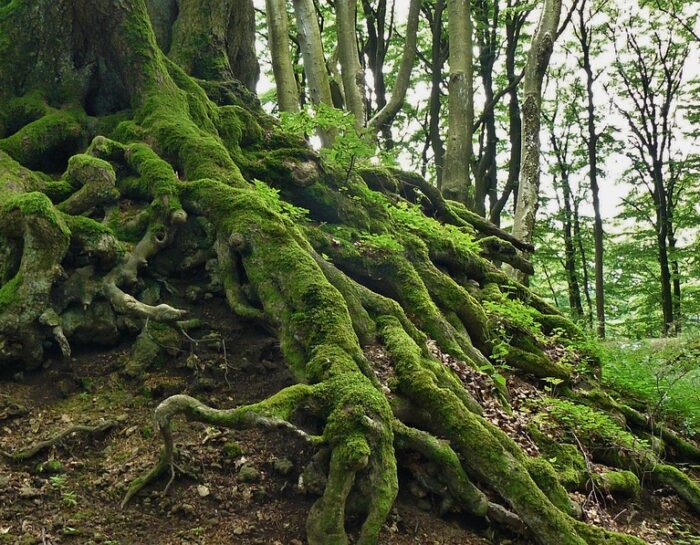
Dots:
{"x": 661, "y": 374}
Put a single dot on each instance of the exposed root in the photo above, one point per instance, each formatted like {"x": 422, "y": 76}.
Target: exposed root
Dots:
{"x": 271, "y": 413}
{"x": 130, "y": 306}
{"x": 32, "y": 450}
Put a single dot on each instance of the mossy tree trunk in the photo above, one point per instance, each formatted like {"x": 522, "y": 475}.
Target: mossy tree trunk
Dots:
{"x": 112, "y": 156}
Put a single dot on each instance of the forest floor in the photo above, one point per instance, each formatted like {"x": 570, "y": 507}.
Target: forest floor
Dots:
{"x": 70, "y": 493}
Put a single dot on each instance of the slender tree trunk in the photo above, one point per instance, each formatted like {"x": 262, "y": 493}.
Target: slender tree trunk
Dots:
{"x": 375, "y": 48}
{"x": 385, "y": 116}
{"x": 351, "y": 71}
{"x": 314, "y": 61}
{"x": 584, "y": 265}
{"x": 570, "y": 252}
{"x": 662, "y": 242}
{"x": 456, "y": 180}
{"x": 513, "y": 26}
{"x": 537, "y": 62}
{"x": 437, "y": 61}
{"x": 278, "y": 36}
{"x": 486, "y": 178}
{"x": 675, "y": 276}
{"x": 592, "y": 145}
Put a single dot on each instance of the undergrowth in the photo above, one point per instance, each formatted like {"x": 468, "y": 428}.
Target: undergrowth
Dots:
{"x": 661, "y": 375}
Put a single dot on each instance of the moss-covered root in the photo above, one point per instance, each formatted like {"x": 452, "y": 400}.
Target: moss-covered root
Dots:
{"x": 317, "y": 337}
{"x": 624, "y": 483}
{"x": 467, "y": 496}
{"x": 26, "y": 317}
{"x": 95, "y": 179}
{"x": 273, "y": 412}
{"x": 679, "y": 482}
{"x": 491, "y": 462}
{"x": 497, "y": 461}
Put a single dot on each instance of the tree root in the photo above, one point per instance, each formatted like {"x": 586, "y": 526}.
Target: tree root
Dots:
{"x": 269, "y": 414}
{"x": 29, "y": 452}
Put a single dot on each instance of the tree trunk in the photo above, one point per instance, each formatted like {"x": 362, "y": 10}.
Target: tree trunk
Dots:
{"x": 385, "y": 116}
{"x": 351, "y": 71}
{"x": 570, "y": 252}
{"x": 437, "y": 61}
{"x": 676, "y": 278}
{"x": 456, "y": 179}
{"x": 278, "y": 38}
{"x": 514, "y": 24}
{"x": 592, "y": 148}
{"x": 486, "y": 178}
{"x": 584, "y": 265}
{"x": 314, "y": 60}
{"x": 537, "y": 62}
{"x": 662, "y": 243}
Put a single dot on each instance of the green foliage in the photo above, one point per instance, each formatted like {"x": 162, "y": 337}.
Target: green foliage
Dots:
{"x": 272, "y": 199}
{"x": 509, "y": 317}
{"x": 596, "y": 427}
{"x": 662, "y": 376}
{"x": 412, "y": 218}
{"x": 351, "y": 147}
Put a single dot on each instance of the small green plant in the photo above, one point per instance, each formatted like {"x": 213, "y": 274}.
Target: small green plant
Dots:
{"x": 58, "y": 481}
{"x": 351, "y": 147}
{"x": 69, "y": 498}
{"x": 272, "y": 199}
{"x": 594, "y": 425}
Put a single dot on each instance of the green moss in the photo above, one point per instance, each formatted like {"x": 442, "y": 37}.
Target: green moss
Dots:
{"x": 491, "y": 461}
{"x": 19, "y": 111}
{"x": 685, "y": 487}
{"x": 157, "y": 180}
{"x": 9, "y": 292}
{"x": 567, "y": 459}
{"x": 624, "y": 483}
{"x": 35, "y": 204}
{"x": 87, "y": 228}
{"x": 47, "y": 142}
{"x": 548, "y": 481}
{"x": 232, "y": 451}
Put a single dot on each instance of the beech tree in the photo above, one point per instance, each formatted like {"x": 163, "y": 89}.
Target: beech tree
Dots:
{"x": 456, "y": 178}
{"x": 650, "y": 77}
{"x": 132, "y": 147}
{"x": 537, "y": 62}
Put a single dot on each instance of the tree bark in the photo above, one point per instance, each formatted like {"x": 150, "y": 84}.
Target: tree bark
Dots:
{"x": 437, "y": 61}
{"x": 314, "y": 60}
{"x": 385, "y": 116}
{"x": 351, "y": 71}
{"x": 456, "y": 180}
{"x": 278, "y": 38}
{"x": 537, "y": 62}
{"x": 486, "y": 176}
{"x": 514, "y": 24}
